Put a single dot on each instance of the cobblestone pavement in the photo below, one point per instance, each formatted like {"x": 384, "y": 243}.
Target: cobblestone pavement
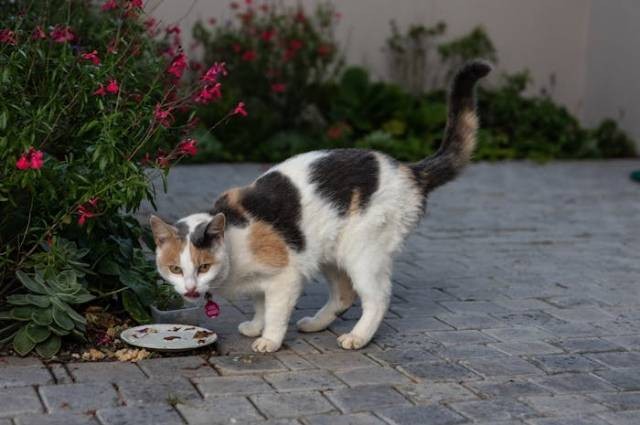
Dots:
{"x": 516, "y": 301}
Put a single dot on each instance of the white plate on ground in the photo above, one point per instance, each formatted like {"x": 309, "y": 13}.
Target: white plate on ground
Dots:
{"x": 168, "y": 337}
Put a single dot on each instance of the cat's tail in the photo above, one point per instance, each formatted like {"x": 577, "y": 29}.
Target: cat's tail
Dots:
{"x": 460, "y": 134}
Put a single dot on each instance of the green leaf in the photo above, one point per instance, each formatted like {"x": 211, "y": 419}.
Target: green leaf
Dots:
{"x": 79, "y": 298}
{"x": 29, "y": 299}
{"x": 62, "y": 319}
{"x": 37, "y": 333}
{"x": 22, "y": 344}
{"x": 43, "y": 316}
{"x": 50, "y": 347}
{"x": 57, "y": 330}
{"x": 134, "y": 308}
{"x": 22, "y": 312}
{"x": 31, "y": 284}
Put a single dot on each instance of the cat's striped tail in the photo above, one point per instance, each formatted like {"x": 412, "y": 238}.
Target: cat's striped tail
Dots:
{"x": 460, "y": 134}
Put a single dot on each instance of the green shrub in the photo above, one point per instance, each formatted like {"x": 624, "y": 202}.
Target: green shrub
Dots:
{"x": 91, "y": 110}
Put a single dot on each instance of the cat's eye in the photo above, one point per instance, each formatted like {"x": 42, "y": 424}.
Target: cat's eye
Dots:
{"x": 203, "y": 268}
{"x": 175, "y": 269}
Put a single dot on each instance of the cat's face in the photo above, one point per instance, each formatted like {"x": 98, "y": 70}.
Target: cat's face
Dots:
{"x": 191, "y": 254}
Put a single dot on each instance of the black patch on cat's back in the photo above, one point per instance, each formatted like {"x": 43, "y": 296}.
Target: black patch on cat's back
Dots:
{"x": 274, "y": 199}
{"x": 231, "y": 214}
{"x": 344, "y": 171}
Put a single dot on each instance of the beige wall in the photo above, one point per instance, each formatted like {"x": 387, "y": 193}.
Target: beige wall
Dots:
{"x": 575, "y": 41}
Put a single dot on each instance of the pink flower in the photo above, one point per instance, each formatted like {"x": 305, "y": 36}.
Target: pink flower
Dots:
{"x": 136, "y": 4}
{"x": 23, "y": 163}
{"x": 267, "y": 35}
{"x": 209, "y": 93}
{"x": 33, "y": 159}
{"x": 278, "y": 87}
{"x": 62, "y": 34}
{"x": 239, "y": 110}
{"x": 109, "y": 5}
{"x": 92, "y": 56}
{"x": 113, "y": 87}
{"x": 163, "y": 117}
{"x": 38, "y": 33}
{"x": 188, "y": 147}
{"x": 212, "y": 74}
{"x": 178, "y": 65}
{"x": 173, "y": 29}
{"x": 8, "y": 37}
{"x": 249, "y": 56}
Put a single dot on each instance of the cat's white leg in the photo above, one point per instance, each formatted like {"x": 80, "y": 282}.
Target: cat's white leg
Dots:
{"x": 371, "y": 280}
{"x": 341, "y": 297}
{"x": 280, "y": 295}
{"x": 253, "y": 327}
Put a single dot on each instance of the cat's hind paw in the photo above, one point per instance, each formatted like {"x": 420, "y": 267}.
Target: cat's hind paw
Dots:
{"x": 250, "y": 328}
{"x": 264, "y": 345}
{"x": 351, "y": 341}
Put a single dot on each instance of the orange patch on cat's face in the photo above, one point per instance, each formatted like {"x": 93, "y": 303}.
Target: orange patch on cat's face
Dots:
{"x": 201, "y": 256}
{"x": 267, "y": 246}
{"x": 169, "y": 252}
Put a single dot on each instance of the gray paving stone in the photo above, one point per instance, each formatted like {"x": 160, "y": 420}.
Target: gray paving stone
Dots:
{"x": 60, "y": 374}
{"x": 355, "y": 419}
{"x": 15, "y": 361}
{"x": 494, "y": 410}
{"x": 292, "y": 405}
{"x": 519, "y": 334}
{"x": 22, "y": 375}
{"x": 461, "y": 337}
{"x": 341, "y": 360}
{"x": 588, "y": 420}
{"x": 231, "y": 385}
{"x": 468, "y": 352}
{"x": 466, "y": 307}
{"x": 621, "y": 418}
{"x": 433, "y": 393}
{"x": 189, "y": 366}
{"x": 510, "y": 366}
{"x": 557, "y": 363}
{"x": 105, "y": 372}
{"x": 303, "y": 380}
{"x": 156, "y": 414}
{"x": 417, "y": 324}
{"x": 18, "y": 400}
{"x": 439, "y": 371}
{"x": 56, "y": 419}
{"x": 399, "y": 356}
{"x": 372, "y": 376}
{"x": 78, "y": 398}
{"x": 361, "y": 399}
{"x": 527, "y": 347}
{"x": 617, "y": 359}
{"x": 508, "y": 388}
{"x": 471, "y": 321}
{"x": 564, "y": 405}
{"x": 630, "y": 342}
{"x": 156, "y": 390}
{"x": 294, "y": 361}
{"x": 426, "y": 415}
{"x": 588, "y": 345}
{"x": 225, "y": 410}
{"x": 247, "y": 364}
{"x": 619, "y": 401}
{"x": 574, "y": 383}
{"x": 627, "y": 379}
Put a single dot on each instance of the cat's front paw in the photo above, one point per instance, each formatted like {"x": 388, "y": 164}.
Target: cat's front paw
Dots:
{"x": 310, "y": 324}
{"x": 351, "y": 341}
{"x": 250, "y": 328}
{"x": 264, "y": 345}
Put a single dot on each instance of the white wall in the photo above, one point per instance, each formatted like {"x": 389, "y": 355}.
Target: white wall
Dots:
{"x": 591, "y": 47}
{"x": 613, "y": 64}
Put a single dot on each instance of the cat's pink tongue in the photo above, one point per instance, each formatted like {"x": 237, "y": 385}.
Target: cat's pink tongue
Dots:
{"x": 211, "y": 309}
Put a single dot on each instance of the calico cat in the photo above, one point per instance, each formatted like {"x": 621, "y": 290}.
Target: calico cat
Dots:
{"x": 342, "y": 212}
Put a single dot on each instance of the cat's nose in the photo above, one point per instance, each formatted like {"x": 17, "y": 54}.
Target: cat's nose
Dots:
{"x": 192, "y": 293}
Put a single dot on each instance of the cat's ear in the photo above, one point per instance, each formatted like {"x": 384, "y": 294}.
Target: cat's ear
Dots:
{"x": 215, "y": 229}
{"x": 162, "y": 231}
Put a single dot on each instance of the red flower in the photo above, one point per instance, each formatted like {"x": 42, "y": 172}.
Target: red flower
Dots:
{"x": 237, "y": 47}
{"x": 248, "y": 2}
{"x": 136, "y": 4}
{"x": 336, "y": 131}
{"x": 109, "y": 5}
{"x": 173, "y": 29}
{"x": 8, "y": 37}
{"x": 234, "y": 5}
{"x": 300, "y": 17}
{"x": 100, "y": 91}
{"x": 163, "y": 117}
{"x": 84, "y": 214}
{"x": 267, "y": 35}
{"x": 278, "y": 87}
{"x": 178, "y": 65}
{"x": 113, "y": 87}
{"x": 212, "y": 74}
{"x": 295, "y": 44}
{"x": 162, "y": 159}
{"x": 92, "y": 56}
{"x": 239, "y": 110}
{"x": 150, "y": 25}
{"x": 112, "y": 47}
{"x": 38, "y": 34}
{"x": 62, "y": 34}
{"x": 195, "y": 65}
{"x": 249, "y": 56}
{"x": 324, "y": 50}
{"x": 188, "y": 147}
{"x": 23, "y": 163}
{"x": 209, "y": 93}
{"x": 33, "y": 159}
{"x": 212, "y": 21}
